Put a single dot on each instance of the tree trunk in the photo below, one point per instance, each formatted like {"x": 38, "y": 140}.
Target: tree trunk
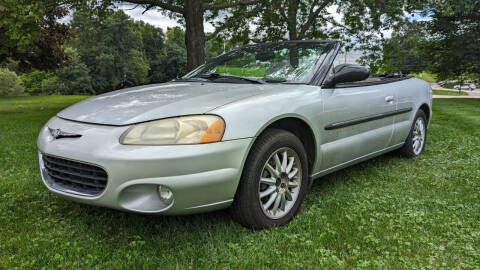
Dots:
{"x": 194, "y": 34}
{"x": 292, "y": 19}
{"x": 292, "y": 30}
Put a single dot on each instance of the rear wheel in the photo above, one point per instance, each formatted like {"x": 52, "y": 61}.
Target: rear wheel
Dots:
{"x": 415, "y": 142}
{"x": 273, "y": 183}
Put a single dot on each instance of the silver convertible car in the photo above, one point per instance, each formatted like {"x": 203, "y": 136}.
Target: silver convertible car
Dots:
{"x": 250, "y": 130}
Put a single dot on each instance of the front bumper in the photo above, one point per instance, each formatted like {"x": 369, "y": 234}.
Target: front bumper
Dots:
{"x": 202, "y": 177}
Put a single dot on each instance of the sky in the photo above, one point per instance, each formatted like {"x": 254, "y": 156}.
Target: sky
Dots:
{"x": 154, "y": 17}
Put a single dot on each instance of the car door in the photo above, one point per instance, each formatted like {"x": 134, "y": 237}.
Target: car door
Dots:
{"x": 355, "y": 122}
{"x": 406, "y": 98}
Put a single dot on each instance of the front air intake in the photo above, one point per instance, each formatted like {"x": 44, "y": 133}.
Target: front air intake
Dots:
{"x": 76, "y": 177}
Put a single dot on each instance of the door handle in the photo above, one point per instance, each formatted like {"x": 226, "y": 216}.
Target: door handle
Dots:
{"x": 389, "y": 99}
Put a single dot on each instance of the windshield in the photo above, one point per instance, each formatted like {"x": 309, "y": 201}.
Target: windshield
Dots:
{"x": 285, "y": 62}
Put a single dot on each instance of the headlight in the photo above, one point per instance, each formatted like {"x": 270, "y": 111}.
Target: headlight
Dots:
{"x": 178, "y": 130}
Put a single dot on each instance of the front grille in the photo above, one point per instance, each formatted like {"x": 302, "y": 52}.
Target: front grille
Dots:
{"x": 75, "y": 176}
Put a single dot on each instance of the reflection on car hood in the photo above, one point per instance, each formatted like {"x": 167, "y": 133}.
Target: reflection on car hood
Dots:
{"x": 151, "y": 102}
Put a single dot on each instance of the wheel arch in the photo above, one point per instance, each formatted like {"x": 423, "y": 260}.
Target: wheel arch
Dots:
{"x": 301, "y": 128}
{"x": 426, "y": 109}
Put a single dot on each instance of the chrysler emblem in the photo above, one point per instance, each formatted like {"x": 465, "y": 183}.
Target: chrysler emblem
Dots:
{"x": 58, "y": 134}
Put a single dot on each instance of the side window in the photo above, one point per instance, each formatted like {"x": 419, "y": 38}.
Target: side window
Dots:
{"x": 347, "y": 57}
{"x": 350, "y": 75}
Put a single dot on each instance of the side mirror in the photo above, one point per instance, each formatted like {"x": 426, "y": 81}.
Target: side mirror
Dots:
{"x": 346, "y": 73}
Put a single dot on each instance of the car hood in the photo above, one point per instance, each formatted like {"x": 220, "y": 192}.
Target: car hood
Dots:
{"x": 145, "y": 103}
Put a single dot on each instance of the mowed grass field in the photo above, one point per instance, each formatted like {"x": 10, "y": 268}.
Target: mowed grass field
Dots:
{"x": 386, "y": 213}
{"x": 449, "y": 93}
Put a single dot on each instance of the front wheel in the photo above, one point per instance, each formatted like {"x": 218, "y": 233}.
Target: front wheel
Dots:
{"x": 274, "y": 181}
{"x": 415, "y": 142}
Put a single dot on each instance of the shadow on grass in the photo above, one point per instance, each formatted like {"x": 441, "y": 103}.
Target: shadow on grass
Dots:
{"x": 346, "y": 174}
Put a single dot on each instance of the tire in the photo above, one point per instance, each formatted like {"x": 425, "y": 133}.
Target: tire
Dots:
{"x": 408, "y": 149}
{"x": 252, "y": 211}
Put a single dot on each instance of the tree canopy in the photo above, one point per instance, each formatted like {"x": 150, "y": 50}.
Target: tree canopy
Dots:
{"x": 91, "y": 47}
{"x": 113, "y": 48}
{"x": 192, "y": 14}
{"x": 405, "y": 50}
{"x": 455, "y": 37}
{"x": 31, "y": 32}
{"x": 273, "y": 20}
{"x": 109, "y": 50}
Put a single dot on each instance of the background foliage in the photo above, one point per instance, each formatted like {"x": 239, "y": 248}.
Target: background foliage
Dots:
{"x": 32, "y": 33}
{"x": 10, "y": 84}
{"x": 91, "y": 47}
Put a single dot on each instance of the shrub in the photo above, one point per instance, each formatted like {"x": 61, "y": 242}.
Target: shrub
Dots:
{"x": 10, "y": 83}
{"x": 32, "y": 81}
{"x": 53, "y": 85}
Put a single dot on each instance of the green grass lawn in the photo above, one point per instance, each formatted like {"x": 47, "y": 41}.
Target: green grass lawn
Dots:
{"x": 429, "y": 77}
{"x": 257, "y": 72}
{"x": 386, "y": 213}
{"x": 448, "y": 93}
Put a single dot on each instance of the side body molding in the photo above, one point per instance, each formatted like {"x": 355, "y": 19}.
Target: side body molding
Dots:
{"x": 364, "y": 119}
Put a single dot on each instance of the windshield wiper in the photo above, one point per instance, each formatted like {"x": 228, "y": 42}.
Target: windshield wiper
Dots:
{"x": 192, "y": 79}
{"x": 214, "y": 76}
{"x": 275, "y": 81}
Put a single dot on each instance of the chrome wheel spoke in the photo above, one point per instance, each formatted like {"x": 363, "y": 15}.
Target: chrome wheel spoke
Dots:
{"x": 272, "y": 171}
{"x": 270, "y": 201}
{"x": 290, "y": 164}
{"x": 292, "y": 184}
{"x": 268, "y": 181}
{"x": 283, "y": 201}
{"x": 415, "y": 144}
{"x": 278, "y": 163}
{"x": 293, "y": 173}
{"x": 284, "y": 161}
{"x": 267, "y": 191}
{"x": 276, "y": 204}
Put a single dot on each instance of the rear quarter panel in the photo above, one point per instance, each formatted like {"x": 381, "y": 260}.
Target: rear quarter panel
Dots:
{"x": 410, "y": 93}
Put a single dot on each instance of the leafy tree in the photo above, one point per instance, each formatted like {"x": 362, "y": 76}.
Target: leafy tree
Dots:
{"x": 312, "y": 19}
{"x": 153, "y": 39}
{"x": 172, "y": 61}
{"x": 31, "y": 32}
{"x": 154, "y": 43}
{"x": 404, "y": 50}
{"x": 32, "y": 81}
{"x": 138, "y": 67}
{"x": 112, "y": 47}
{"x": 12, "y": 65}
{"x": 219, "y": 45}
{"x": 193, "y": 13}
{"x": 75, "y": 76}
{"x": 453, "y": 47}
{"x": 105, "y": 77}
{"x": 360, "y": 27}
{"x": 54, "y": 86}
{"x": 10, "y": 83}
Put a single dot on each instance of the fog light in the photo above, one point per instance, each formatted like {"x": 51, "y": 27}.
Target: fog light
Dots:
{"x": 166, "y": 195}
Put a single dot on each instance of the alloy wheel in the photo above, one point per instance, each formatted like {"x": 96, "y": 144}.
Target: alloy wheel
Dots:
{"x": 418, "y": 136}
{"x": 280, "y": 183}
